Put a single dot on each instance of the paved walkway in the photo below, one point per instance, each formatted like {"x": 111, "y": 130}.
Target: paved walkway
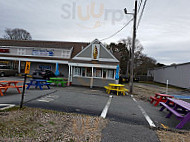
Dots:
{"x": 126, "y": 132}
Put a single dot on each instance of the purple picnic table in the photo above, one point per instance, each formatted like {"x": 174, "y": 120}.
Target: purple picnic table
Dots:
{"x": 179, "y": 108}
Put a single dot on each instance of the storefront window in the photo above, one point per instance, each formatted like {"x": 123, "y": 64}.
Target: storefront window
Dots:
{"x": 89, "y": 72}
{"x": 111, "y": 74}
{"x": 97, "y": 72}
{"x": 77, "y": 71}
{"x": 104, "y": 73}
{"x": 83, "y": 71}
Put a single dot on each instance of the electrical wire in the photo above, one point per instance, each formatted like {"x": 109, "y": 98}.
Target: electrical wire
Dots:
{"x": 118, "y": 30}
{"x": 140, "y": 5}
{"x": 141, "y": 14}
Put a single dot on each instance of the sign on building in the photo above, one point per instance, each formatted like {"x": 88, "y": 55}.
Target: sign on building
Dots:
{"x": 27, "y": 68}
{"x": 42, "y": 53}
{"x": 95, "y": 51}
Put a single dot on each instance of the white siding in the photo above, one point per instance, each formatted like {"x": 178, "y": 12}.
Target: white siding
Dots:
{"x": 178, "y": 75}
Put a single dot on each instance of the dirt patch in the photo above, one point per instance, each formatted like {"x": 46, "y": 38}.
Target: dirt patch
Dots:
{"x": 144, "y": 91}
{"x": 31, "y": 124}
{"x": 167, "y": 136}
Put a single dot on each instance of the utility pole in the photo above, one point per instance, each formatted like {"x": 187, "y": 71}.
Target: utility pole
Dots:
{"x": 133, "y": 48}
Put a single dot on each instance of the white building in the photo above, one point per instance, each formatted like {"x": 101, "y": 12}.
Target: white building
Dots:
{"x": 177, "y": 75}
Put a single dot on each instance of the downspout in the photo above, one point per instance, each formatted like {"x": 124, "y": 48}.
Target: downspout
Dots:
{"x": 91, "y": 81}
{"x": 19, "y": 66}
{"x": 68, "y": 84}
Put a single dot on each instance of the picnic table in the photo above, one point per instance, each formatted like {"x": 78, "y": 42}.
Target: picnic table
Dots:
{"x": 179, "y": 108}
{"x": 5, "y": 85}
{"x": 116, "y": 87}
{"x": 38, "y": 83}
{"x": 159, "y": 98}
{"x": 57, "y": 81}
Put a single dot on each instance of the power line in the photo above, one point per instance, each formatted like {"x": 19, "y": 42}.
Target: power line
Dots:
{"x": 141, "y": 13}
{"x": 140, "y": 5}
{"x": 118, "y": 30}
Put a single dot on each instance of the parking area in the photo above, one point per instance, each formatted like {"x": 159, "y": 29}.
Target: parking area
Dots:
{"x": 125, "y": 113}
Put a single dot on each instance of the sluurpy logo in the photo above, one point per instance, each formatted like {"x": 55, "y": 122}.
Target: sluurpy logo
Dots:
{"x": 86, "y": 13}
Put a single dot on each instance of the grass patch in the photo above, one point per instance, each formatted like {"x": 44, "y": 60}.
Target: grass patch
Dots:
{"x": 51, "y": 122}
{"x": 11, "y": 109}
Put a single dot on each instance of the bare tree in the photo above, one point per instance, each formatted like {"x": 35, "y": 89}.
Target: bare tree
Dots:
{"x": 143, "y": 64}
{"x": 137, "y": 52}
{"x": 17, "y": 34}
{"x": 141, "y": 61}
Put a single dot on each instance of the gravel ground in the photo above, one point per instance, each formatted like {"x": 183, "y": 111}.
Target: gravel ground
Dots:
{"x": 31, "y": 124}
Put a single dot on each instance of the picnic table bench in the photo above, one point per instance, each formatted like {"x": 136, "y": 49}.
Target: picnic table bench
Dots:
{"x": 57, "y": 81}
{"x": 38, "y": 83}
{"x": 116, "y": 87}
{"x": 5, "y": 85}
{"x": 179, "y": 108}
{"x": 159, "y": 98}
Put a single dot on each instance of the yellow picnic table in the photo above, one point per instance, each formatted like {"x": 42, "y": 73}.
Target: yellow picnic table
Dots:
{"x": 116, "y": 87}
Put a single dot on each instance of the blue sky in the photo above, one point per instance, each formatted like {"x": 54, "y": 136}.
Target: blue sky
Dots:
{"x": 164, "y": 30}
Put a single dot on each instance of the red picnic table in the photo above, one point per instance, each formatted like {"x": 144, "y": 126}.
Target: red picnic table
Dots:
{"x": 5, "y": 85}
{"x": 179, "y": 108}
{"x": 159, "y": 98}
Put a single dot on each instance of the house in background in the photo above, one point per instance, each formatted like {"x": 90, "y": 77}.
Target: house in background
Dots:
{"x": 177, "y": 75}
{"x": 87, "y": 64}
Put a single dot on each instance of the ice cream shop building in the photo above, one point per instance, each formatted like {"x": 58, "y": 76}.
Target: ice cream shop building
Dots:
{"x": 87, "y": 64}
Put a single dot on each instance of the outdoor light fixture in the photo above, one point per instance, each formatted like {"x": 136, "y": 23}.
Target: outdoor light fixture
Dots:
{"x": 125, "y": 11}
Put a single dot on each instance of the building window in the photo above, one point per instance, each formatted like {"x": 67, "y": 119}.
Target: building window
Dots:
{"x": 97, "y": 72}
{"x": 110, "y": 74}
{"x": 21, "y": 51}
{"x": 83, "y": 70}
{"x": 77, "y": 71}
{"x": 105, "y": 73}
{"x": 89, "y": 72}
{"x": 66, "y": 53}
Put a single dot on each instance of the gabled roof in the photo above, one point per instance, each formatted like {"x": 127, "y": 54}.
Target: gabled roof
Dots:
{"x": 86, "y": 53}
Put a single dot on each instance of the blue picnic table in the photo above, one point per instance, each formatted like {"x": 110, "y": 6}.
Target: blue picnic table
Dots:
{"x": 38, "y": 83}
